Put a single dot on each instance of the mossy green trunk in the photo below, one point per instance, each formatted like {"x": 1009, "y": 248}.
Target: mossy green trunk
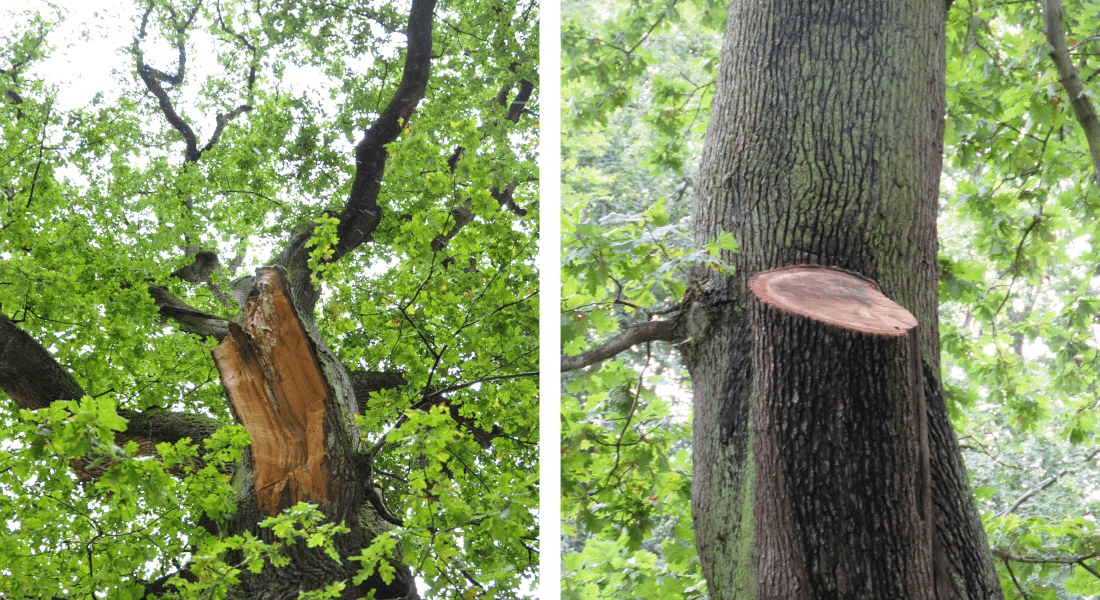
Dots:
{"x": 824, "y": 148}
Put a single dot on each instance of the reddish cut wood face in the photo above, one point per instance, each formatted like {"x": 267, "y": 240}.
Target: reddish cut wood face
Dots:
{"x": 833, "y": 297}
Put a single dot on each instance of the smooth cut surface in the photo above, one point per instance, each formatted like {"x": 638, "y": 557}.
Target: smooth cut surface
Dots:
{"x": 834, "y": 297}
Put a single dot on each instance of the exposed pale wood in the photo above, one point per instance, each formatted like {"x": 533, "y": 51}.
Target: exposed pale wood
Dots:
{"x": 834, "y": 297}
{"x": 278, "y": 392}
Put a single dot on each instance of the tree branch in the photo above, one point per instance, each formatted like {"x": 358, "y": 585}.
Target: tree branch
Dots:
{"x": 462, "y": 215}
{"x": 221, "y": 120}
{"x": 147, "y": 429}
{"x": 188, "y": 318}
{"x": 431, "y": 395}
{"x": 1082, "y": 108}
{"x": 1044, "y": 484}
{"x": 34, "y": 379}
{"x": 362, "y": 214}
{"x": 152, "y": 78}
{"x": 1069, "y": 560}
{"x": 665, "y": 331}
{"x": 28, "y": 373}
{"x": 519, "y": 103}
{"x": 365, "y": 382}
{"x": 503, "y": 196}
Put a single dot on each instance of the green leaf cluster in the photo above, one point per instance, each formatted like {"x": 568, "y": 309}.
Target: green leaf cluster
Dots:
{"x": 636, "y": 87}
{"x": 1018, "y": 290}
{"x": 67, "y": 532}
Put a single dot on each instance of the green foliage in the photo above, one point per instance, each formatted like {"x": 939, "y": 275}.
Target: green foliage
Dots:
{"x": 621, "y": 261}
{"x": 626, "y": 490}
{"x": 636, "y": 84}
{"x": 452, "y": 512}
{"x": 97, "y": 205}
{"x": 1018, "y": 291}
{"x": 304, "y": 521}
{"x": 322, "y": 241}
{"x": 101, "y": 532}
{"x": 214, "y": 576}
{"x": 373, "y": 559}
{"x": 1018, "y": 287}
{"x": 657, "y": 57}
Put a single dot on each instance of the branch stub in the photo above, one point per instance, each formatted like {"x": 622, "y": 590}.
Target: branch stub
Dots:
{"x": 834, "y": 297}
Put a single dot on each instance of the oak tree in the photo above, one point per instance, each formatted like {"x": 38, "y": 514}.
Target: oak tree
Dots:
{"x": 268, "y": 321}
{"x": 824, "y": 148}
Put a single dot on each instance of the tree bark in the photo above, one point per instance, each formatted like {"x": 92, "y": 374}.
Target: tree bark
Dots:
{"x": 824, "y": 148}
{"x": 840, "y": 440}
{"x": 28, "y": 373}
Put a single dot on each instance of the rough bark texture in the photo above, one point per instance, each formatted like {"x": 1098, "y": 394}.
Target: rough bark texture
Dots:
{"x": 824, "y": 148}
{"x": 841, "y": 442}
{"x": 28, "y": 373}
{"x": 362, "y": 213}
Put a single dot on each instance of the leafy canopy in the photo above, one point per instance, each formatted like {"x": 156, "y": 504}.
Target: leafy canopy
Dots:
{"x": 636, "y": 89}
{"x": 99, "y": 201}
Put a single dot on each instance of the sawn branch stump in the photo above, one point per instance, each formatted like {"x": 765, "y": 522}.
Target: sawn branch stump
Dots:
{"x": 840, "y": 439}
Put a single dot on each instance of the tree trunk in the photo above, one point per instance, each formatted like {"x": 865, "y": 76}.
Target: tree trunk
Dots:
{"x": 277, "y": 390}
{"x": 824, "y": 148}
{"x": 296, "y": 400}
{"x": 838, "y": 410}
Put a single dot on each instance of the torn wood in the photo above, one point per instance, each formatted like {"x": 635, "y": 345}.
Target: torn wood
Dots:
{"x": 277, "y": 390}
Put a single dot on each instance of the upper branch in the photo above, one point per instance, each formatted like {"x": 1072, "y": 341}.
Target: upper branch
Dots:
{"x": 153, "y": 77}
{"x": 1067, "y": 73}
{"x": 362, "y": 214}
{"x": 502, "y": 194}
{"x": 519, "y": 103}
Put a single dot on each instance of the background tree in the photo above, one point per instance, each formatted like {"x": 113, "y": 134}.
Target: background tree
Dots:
{"x": 1025, "y": 424}
{"x": 627, "y": 520}
{"x": 381, "y": 160}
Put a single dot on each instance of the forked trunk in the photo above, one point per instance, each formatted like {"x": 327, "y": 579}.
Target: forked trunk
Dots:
{"x": 304, "y": 446}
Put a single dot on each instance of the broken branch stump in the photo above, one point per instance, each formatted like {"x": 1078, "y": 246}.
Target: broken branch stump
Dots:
{"x": 277, "y": 390}
{"x": 840, "y": 439}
